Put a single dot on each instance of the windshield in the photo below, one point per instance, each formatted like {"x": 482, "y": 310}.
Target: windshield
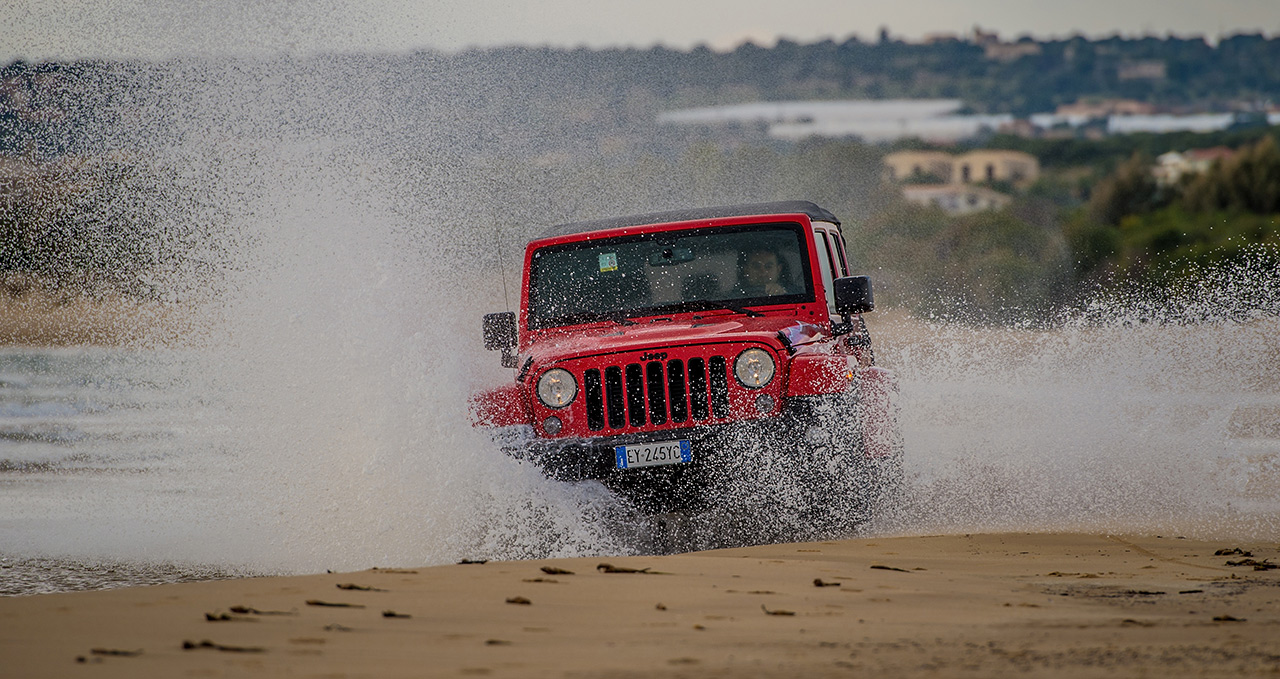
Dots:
{"x": 668, "y": 272}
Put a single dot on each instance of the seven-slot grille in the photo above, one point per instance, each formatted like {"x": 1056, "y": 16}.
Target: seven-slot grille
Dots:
{"x": 655, "y": 391}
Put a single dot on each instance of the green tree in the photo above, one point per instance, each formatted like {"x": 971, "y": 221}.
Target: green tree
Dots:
{"x": 1129, "y": 190}
{"x": 987, "y": 266}
{"x": 1171, "y": 243}
{"x": 1248, "y": 182}
{"x": 1093, "y": 246}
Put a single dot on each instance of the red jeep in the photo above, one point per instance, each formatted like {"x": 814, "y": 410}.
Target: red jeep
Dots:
{"x": 701, "y": 360}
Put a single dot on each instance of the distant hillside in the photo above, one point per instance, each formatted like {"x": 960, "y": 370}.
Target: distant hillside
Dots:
{"x": 132, "y": 176}
{"x": 539, "y": 100}
{"x": 1019, "y": 78}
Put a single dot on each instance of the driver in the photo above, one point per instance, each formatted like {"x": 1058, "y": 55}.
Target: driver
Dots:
{"x": 762, "y": 273}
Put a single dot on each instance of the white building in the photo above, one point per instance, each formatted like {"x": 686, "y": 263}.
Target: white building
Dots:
{"x": 1171, "y": 167}
{"x": 873, "y": 121}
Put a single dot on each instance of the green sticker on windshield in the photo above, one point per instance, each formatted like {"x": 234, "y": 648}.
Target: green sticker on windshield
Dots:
{"x": 609, "y": 261}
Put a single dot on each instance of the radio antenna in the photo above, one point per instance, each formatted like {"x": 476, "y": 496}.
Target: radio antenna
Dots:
{"x": 502, "y": 267}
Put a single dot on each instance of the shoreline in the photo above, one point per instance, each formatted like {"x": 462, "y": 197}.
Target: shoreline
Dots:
{"x": 38, "y": 318}
{"x": 1041, "y": 604}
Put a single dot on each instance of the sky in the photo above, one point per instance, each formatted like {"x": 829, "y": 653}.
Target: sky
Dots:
{"x": 155, "y": 29}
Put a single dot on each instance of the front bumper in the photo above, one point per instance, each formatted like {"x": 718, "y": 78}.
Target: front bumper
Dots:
{"x": 594, "y": 458}
{"x": 808, "y": 428}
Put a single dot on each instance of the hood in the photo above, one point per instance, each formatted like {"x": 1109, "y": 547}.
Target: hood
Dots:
{"x": 776, "y": 332}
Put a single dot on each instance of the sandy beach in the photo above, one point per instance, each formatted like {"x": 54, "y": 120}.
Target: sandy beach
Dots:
{"x": 1058, "y": 604}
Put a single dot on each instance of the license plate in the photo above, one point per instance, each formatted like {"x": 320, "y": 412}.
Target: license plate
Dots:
{"x": 653, "y": 454}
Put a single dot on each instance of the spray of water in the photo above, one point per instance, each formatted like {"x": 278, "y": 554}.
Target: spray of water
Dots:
{"x": 330, "y": 263}
{"x": 348, "y": 338}
{"x": 1149, "y": 410}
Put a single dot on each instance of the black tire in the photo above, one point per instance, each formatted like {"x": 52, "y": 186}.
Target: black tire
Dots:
{"x": 671, "y": 533}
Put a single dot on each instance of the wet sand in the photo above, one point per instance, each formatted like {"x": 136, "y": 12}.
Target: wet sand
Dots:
{"x": 1053, "y": 604}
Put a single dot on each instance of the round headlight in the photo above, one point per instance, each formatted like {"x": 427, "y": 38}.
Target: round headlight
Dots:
{"x": 754, "y": 368}
{"x": 556, "y": 388}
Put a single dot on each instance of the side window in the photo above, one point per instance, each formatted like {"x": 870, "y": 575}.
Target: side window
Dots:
{"x": 836, "y": 269}
{"x": 824, "y": 263}
{"x": 842, "y": 262}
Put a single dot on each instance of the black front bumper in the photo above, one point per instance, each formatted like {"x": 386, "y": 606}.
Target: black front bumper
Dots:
{"x": 595, "y": 458}
{"x": 822, "y": 425}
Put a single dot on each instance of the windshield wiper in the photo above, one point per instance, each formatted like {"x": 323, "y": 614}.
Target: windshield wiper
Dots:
{"x": 710, "y": 305}
{"x": 619, "y": 318}
{"x": 743, "y": 310}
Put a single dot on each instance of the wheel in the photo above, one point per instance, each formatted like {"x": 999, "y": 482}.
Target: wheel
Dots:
{"x": 671, "y": 533}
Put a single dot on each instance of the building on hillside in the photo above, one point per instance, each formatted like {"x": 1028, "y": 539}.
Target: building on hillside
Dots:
{"x": 996, "y": 50}
{"x": 948, "y": 181}
{"x": 1022, "y": 127}
{"x": 1149, "y": 69}
{"x": 984, "y": 38}
{"x": 1011, "y": 51}
{"x": 1014, "y": 167}
{"x": 956, "y": 199}
{"x": 1171, "y": 167}
{"x": 1085, "y": 109}
{"x": 932, "y": 167}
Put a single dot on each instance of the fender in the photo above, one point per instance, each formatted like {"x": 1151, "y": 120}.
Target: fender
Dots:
{"x": 817, "y": 374}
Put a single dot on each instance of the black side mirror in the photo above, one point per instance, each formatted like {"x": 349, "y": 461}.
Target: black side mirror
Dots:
{"x": 853, "y": 295}
{"x": 500, "y": 333}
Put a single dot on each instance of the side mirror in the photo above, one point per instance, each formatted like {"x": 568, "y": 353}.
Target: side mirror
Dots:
{"x": 500, "y": 333}
{"x": 500, "y": 330}
{"x": 853, "y": 295}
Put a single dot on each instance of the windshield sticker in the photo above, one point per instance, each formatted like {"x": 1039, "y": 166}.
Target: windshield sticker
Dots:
{"x": 609, "y": 261}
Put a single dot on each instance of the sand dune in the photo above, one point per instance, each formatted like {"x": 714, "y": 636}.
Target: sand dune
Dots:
{"x": 1069, "y": 605}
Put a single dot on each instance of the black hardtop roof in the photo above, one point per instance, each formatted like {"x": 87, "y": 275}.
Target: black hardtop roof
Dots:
{"x": 688, "y": 214}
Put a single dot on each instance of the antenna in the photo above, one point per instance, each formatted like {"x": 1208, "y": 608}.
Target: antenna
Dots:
{"x": 502, "y": 269}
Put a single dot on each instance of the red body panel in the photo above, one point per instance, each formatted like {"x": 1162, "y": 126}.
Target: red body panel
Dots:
{"x": 815, "y": 374}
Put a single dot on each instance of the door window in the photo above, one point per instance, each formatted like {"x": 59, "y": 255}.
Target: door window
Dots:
{"x": 824, "y": 264}
{"x": 842, "y": 262}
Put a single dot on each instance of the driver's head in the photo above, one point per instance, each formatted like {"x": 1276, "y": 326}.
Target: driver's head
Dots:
{"x": 760, "y": 268}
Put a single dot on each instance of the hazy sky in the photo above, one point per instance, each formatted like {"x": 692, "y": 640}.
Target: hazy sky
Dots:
{"x": 41, "y": 29}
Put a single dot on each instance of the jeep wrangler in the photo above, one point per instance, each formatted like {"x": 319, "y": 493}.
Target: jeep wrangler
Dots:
{"x": 700, "y": 360}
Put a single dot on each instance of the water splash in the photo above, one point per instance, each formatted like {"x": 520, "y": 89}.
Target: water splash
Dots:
{"x": 1150, "y": 413}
